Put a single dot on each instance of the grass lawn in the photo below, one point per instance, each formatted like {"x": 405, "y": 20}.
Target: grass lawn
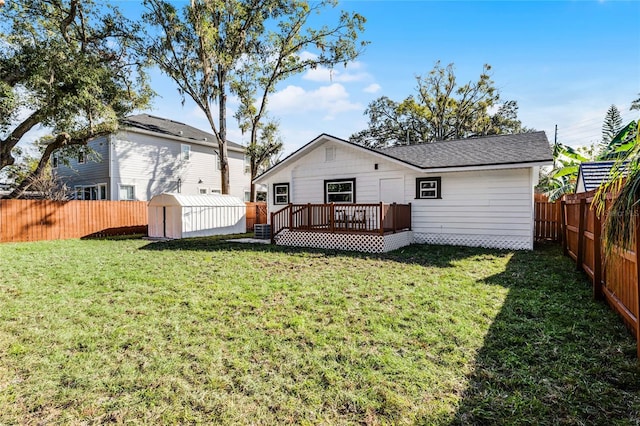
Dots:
{"x": 203, "y": 331}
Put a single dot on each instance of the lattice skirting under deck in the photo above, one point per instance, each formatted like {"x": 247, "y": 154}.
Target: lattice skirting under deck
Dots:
{"x": 507, "y": 242}
{"x": 352, "y": 242}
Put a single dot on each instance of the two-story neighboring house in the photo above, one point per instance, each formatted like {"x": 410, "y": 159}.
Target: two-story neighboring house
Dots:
{"x": 150, "y": 155}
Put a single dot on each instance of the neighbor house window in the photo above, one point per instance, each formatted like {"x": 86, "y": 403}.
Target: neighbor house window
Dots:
{"x": 185, "y": 152}
{"x": 127, "y": 192}
{"x": 340, "y": 191}
{"x": 247, "y": 195}
{"x": 54, "y": 161}
{"x": 202, "y": 191}
{"x": 247, "y": 164}
{"x": 428, "y": 188}
{"x": 82, "y": 157}
{"x": 91, "y": 192}
{"x": 280, "y": 193}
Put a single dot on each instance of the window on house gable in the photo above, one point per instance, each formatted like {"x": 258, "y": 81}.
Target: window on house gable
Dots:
{"x": 82, "y": 158}
{"x": 185, "y": 152}
{"x": 280, "y": 193}
{"x": 427, "y": 188}
{"x": 340, "y": 191}
{"x": 54, "y": 161}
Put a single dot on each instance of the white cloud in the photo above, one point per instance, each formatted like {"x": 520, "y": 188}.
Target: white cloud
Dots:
{"x": 372, "y": 88}
{"x": 329, "y": 100}
{"x": 339, "y": 74}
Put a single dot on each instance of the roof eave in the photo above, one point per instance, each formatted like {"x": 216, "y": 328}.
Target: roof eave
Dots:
{"x": 515, "y": 165}
{"x": 178, "y": 138}
{"x": 311, "y": 145}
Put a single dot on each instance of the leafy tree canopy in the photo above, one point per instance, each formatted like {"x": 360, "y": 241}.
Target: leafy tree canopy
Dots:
{"x": 65, "y": 65}
{"x": 441, "y": 109}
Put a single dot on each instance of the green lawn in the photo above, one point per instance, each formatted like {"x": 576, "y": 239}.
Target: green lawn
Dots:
{"x": 202, "y": 331}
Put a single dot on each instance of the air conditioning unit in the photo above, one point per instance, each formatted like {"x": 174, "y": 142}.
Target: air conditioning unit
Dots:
{"x": 262, "y": 231}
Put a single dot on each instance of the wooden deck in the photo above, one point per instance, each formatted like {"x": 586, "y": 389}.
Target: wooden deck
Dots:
{"x": 374, "y": 219}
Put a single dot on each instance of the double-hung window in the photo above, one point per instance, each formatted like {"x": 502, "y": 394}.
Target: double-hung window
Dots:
{"x": 340, "y": 191}
{"x": 280, "y": 193}
{"x": 427, "y": 188}
{"x": 127, "y": 192}
{"x": 185, "y": 152}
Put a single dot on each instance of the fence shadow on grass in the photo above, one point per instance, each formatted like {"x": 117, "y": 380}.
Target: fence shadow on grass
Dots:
{"x": 416, "y": 254}
{"x": 552, "y": 354}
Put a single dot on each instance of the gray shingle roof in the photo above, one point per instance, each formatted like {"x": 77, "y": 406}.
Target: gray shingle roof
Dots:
{"x": 171, "y": 128}
{"x": 593, "y": 174}
{"x": 483, "y": 151}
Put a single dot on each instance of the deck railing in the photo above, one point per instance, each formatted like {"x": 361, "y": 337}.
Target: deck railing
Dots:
{"x": 346, "y": 218}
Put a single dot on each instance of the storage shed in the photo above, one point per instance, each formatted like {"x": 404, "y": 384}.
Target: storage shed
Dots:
{"x": 183, "y": 216}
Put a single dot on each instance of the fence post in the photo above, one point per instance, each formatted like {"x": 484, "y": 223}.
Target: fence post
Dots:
{"x": 409, "y": 216}
{"x": 597, "y": 257}
{"x": 581, "y": 239}
{"x": 381, "y": 218}
{"x": 637, "y": 307}
{"x": 565, "y": 239}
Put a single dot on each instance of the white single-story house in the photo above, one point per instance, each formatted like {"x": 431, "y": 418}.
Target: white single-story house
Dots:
{"x": 150, "y": 155}
{"x": 332, "y": 193}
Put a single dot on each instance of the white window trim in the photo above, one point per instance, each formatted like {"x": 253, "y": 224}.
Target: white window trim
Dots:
{"x": 120, "y": 185}
{"x": 79, "y": 189}
{"x": 276, "y": 195}
{"x": 340, "y": 181}
{"x": 435, "y": 185}
{"x": 185, "y": 147}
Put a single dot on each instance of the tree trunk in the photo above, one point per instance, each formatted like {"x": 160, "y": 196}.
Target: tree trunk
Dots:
{"x": 222, "y": 140}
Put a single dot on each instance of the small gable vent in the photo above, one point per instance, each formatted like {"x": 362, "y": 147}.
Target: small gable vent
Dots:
{"x": 330, "y": 153}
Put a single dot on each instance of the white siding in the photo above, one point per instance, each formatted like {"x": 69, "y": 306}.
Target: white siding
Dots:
{"x": 307, "y": 175}
{"x": 153, "y": 165}
{"x": 492, "y": 208}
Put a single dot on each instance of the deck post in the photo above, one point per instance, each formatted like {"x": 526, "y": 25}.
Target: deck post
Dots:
{"x": 381, "y": 218}
{"x": 395, "y": 217}
{"x": 332, "y": 217}
{"x": 308, "y": 216}
{"x": 410, "y": 225}
{"x": 290, "y": 217}
{"x": 271, "y": 228}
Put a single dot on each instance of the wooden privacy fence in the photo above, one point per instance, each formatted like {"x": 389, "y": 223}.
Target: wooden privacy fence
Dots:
{"x": 256, "y": 214}
{"x": 614, "y": 279}
{"x": 547, "y": 219}
{"x": 37, "y": 220}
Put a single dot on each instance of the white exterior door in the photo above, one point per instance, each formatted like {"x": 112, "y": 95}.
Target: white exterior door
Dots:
{"x": 392, "y": 190}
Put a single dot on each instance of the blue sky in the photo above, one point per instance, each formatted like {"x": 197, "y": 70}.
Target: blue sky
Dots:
{"x": 564, "y": 62}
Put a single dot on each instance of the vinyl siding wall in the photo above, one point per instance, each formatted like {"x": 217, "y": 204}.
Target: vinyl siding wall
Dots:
{"x": 492, "y": 208}
{"x": 154, "y": 164}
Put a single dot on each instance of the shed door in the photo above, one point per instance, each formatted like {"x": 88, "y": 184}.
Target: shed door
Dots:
{"x": 392, "y": 190}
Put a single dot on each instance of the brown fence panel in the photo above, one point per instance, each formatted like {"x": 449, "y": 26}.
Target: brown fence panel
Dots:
{"x": 36, "y": 220}
{"x": 256, "y": 214}
{"x": 614, "y": 278}
{"x": 547, "y": 219}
